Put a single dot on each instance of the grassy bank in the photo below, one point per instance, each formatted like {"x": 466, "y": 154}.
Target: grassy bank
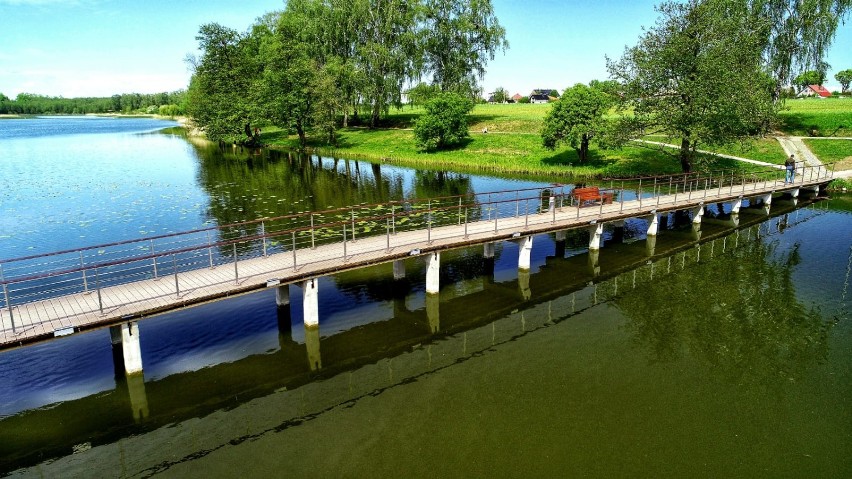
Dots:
{"x": 816, "y": 117}
{"x": 512, "y": 145}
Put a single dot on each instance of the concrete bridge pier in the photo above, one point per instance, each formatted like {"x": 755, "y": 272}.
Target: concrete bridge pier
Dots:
{"x": 560, "y": 244}
{"x": 433, "y": 272}
{"x": 310, "y": 302}
{"x": 125, "y": 344}
{"x": 312, "y": 345}
{"x": 696, "y": 231}
{"x": 138, "y": 397}
{"x": 282, "y": 295}
{"x": 697, "y": 214}
{"x": 488, "y": 250}
{"x": 595, "y": 235}
{"x": 653, "y": 224}
{"x": 398, "y": 269}
{"x": 524, "y": 251}
{"x": 736, "y": 205}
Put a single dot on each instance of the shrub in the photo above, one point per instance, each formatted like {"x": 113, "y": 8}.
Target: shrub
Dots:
{"x": 444, "y": 123}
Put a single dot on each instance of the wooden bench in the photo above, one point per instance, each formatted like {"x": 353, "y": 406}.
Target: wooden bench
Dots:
{"x": 591, "y": 194}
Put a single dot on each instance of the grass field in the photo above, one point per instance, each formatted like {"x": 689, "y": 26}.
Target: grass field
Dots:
{"x": 816, "y": 117}
{"x": 837, "y": 152}
{"x": 512, "y": 145}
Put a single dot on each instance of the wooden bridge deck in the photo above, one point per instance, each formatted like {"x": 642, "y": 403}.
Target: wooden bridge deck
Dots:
{"x": 65, "y": 314}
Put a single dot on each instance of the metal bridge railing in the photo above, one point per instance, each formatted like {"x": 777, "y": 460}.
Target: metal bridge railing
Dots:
{"x": 163, "y": 257}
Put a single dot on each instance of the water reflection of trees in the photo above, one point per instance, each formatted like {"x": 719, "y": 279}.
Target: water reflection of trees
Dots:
{"x": 245, "y": 184}
{"x": 738, "y": 313}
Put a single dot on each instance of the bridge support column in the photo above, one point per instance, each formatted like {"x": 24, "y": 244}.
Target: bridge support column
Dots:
{"x": 398, "y": 269}
{"x": 736, "y": 205}
{"x": 653, "y": 225}
{"x": 794, "y": 193}
{"x": 767, "y": 199}
{"x": 524, "y": 250}
{"x": 127, "y": 335}
{"x": 433, "y": 270}
{"x": 488, "y": 250}
{"x": 696, "y": 231}
{"x": 697, "y": 213}
{"x": 595, "y": 235}
{"x": 433, "y": 312}
{"x": 310, "y": 302}
{"x": 282, "y": 295}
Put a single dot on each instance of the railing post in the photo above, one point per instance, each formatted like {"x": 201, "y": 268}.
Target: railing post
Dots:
{"x": 98, "y": 286}
{"x": 670, "y": 184}
{"x": 429, "y": 225}
{"x": 465, "y": 223}
{"x": 8, "y": 305}
{"x": 387, "y": 232}
{"x": 209, "y": 250}
{"x": 527, "y": 213}
{"x": 640, "y": 193}
{"x": 236, "y": 270}
{"x": 496, "y": 214}
{"x": 393, "y": 219}
{"x": 352, "y": 211}
{"x": 263, "y": 237}
{"x": 293, "y": 234}
{"x": 177, "y": 285}
{"x": 82, "y": 267}
{"x": 313, "y": 241}
{"x": 154, "y": 259}
{"x": 344, "y": 242}
{"x": 517, "y": 204}
{"x": 621, "y": 199}
{"x": 552, "y": 221}
{"x": 459, "y": 217}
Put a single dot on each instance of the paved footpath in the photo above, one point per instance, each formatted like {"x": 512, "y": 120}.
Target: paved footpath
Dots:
{"x": 793, "y": 145}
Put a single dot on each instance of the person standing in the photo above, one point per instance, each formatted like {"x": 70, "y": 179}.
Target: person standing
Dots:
{"x": 790, "y": 166}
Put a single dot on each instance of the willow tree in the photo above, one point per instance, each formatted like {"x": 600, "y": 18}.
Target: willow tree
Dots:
{"x": 795, "y": 34}
{"x": 696, "y": 77}
{"x": 460, "y": 37}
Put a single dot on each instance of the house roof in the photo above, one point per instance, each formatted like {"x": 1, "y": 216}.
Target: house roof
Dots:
{"x": 820, "y": 90}
{"x": 516, "y": 96}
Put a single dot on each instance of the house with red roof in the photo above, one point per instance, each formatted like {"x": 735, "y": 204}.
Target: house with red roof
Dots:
{"x": 818, "y": 91}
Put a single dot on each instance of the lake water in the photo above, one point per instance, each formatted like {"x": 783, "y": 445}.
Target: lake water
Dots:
{"x": 726, "y": 352}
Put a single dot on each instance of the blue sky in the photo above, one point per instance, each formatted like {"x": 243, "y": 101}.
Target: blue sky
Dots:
{"x": 103, "y": 47}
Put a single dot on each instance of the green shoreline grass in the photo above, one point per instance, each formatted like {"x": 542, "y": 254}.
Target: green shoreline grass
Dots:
{"x": 513, "y": 147}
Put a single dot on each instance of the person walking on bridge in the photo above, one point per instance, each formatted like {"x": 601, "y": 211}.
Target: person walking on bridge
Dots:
{"x": 790, "y": 166}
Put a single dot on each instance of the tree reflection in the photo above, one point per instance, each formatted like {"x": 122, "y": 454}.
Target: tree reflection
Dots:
{"x": 743, "y": 319}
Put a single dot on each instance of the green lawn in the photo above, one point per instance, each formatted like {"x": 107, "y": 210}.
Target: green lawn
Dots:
{"x": 512, "y": 145}
{"x": 837, "y": 152}
{"x": 817, "y": 117}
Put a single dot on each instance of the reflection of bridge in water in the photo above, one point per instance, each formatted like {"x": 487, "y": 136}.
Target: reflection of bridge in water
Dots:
{"x": 55, "y": 294}
{"x": 379, "y": 355}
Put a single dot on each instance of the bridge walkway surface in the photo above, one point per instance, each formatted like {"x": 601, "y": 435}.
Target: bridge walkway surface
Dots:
{"x": 36, "y": 306}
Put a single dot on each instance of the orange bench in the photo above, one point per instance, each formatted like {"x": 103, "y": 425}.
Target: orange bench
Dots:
{"x": 591, "y": 194}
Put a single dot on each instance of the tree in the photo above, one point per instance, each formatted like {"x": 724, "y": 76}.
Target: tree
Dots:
{"x": 811, "y": 77}
{"x": 794, "y": 34}
{"x": 421, "y": 93}
{"x": 444, "y": 123}
{"x": 500, "y": 95}
{"x": 575, "y": 118}
{"x": 460, "y": 38}
{"x": 219, "y": 97}
{"x": 845, "y": 78}
{"x": 685, "y": 80}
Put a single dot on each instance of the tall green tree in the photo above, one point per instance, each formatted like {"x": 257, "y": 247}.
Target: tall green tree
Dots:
{"x": 810, "y": 77}
{"x": 220, "y": 96}
{"x": 795, "y": 34}
{"x": 460, "y": 37}
{"x": 576, "y": 118}
{"x": 845, "y": 78}
{"x": 684, "y": 79}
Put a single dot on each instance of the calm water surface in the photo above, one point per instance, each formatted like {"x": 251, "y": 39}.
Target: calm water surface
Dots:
{"x": 723, "y": 352}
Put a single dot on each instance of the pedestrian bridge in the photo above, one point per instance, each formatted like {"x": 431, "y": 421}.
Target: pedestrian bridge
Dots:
{"x": 59, "y": 293}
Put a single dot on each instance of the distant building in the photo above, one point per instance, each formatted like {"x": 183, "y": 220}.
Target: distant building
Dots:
{"x": 543, "y": 95}
{"x": 817, "y": 91}
{"x": 516, "y": 97}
